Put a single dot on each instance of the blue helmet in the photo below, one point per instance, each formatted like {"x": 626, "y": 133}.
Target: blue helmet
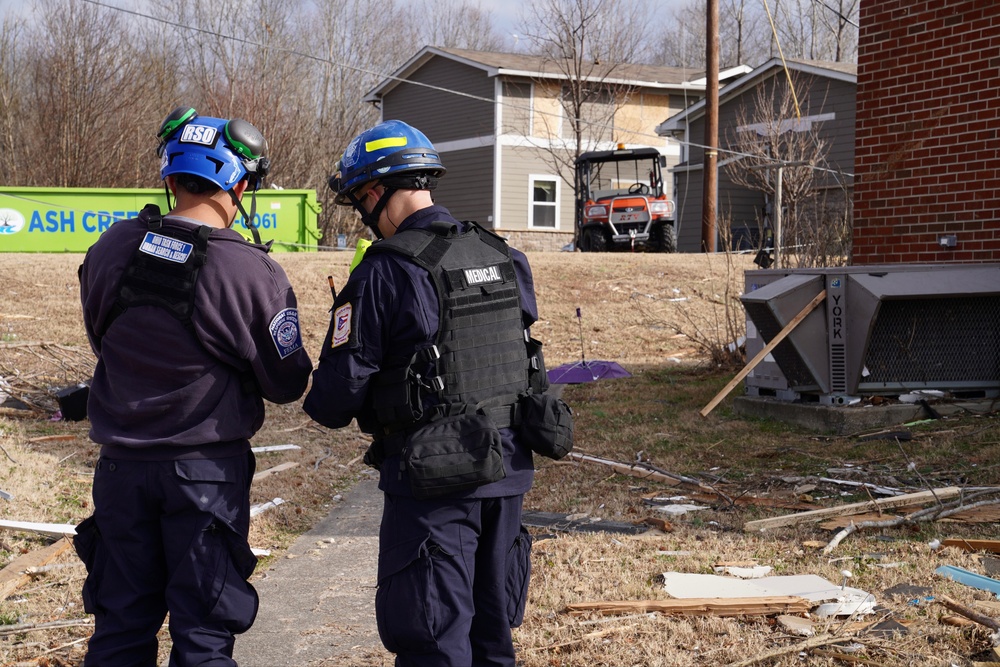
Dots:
{"x": 389, "y": 148}
{"x": 218, "y": 150}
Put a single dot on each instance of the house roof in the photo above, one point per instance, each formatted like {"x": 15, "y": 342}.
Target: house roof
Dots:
{"x": 539, "y": 67}
{"x": 832, "y": 70}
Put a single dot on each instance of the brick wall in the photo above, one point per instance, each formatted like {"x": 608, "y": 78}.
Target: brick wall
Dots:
{"x": 928, "y": 132}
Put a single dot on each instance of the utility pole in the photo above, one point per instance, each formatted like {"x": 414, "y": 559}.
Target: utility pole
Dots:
{"x": 711, "y": 183}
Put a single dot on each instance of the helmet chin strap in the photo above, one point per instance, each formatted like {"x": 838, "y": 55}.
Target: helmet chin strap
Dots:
{"x": 248, "y": 219}
{"x": 371, "y": 219}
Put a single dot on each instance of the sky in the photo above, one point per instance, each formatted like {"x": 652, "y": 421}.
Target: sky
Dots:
{"x": 505, "y": 12}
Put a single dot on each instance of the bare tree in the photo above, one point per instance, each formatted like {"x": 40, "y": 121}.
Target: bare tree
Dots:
{"x": 769, "y": 133}
{"x": 589, "y": 44}
{"x": 81, "y": 71}
{"x": 809, "y": 29}
{"x": 465, "y": 26}
{"x": 12, "y": 87}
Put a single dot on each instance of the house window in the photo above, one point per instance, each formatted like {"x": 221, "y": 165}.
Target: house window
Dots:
{"x": 516, "y": 112}
{"x": 544, "y": 200}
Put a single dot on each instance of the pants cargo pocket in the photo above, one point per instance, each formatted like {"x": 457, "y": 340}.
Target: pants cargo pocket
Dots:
{"x": 405, "y": 599}
{"x": 518, "y": 576}
{"x": 234, "y": 601}
{"x": 87, "y": 542}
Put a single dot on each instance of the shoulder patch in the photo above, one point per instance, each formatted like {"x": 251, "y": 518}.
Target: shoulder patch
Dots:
{"x": 341, "y": 325}
{"x": 285, "y": 332}
{"x": 165, "y": 247}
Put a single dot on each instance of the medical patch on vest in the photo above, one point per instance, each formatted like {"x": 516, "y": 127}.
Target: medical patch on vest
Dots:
{"x": 484, "y": 276}
{"x": 165, "y": 247}
{"x": 285, "y": 332}
{"x": 341, "y": 325}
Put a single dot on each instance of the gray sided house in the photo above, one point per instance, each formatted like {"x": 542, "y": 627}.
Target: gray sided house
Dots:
{"x": 825, "y": 93}
{"x": 502, "y": 131}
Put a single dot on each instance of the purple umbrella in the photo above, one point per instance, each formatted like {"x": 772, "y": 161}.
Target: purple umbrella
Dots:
{"x": 586, "y": 371}
{"x": 583, "y": 370}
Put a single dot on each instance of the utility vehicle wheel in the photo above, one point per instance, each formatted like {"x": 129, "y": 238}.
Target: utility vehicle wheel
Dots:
{"x": 595, "y": 240}
{"x": 662, "y": 239}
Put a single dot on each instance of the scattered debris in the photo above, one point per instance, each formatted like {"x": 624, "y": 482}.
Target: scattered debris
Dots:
{"x": 50, "y": 529}
{"x": 734, "y": 606}
{"x": 874, "y": 488}
{"x": 817, "y": 515}
{"x": 810, "y": 587}
{"x": 676, "y": 509}
{"x": 970, "y": 579}
{"x": 640, "y": 470}
{"x": 796, "y": 625}
{"x": 658, "y": 524}
{"x": 811, "y": 643}
{"x": 743, "y": 571}
{"x": 263, "y": 507}
{"x": 273, "y": 448}
{"x": 991, "y": 546}
{"x": 53, "y": 438}
{"x": 14, "y": 574}
{"x": 575, "y": 523}
{"x": 908, "y": 591}
{"x": 6, "y": 496}
{"x": 938, "y": 511}
{"x": 971, "y": 614}
{"x": 281, "y": 467}
{"x": 60, "y": 365}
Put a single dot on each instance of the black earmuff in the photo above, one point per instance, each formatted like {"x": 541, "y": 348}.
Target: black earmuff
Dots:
{"x": 177, "y": 119}
{"x": 248, "y": 142}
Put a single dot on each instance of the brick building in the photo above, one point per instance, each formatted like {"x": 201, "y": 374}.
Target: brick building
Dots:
{"x": 927, "y": 186}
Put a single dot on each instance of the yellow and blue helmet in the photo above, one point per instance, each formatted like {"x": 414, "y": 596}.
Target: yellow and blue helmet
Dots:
{"x": 391, "y": 148}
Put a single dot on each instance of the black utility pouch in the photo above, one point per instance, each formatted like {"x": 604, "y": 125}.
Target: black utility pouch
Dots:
{"x": 546, "y": 425}
{"x": 453, "y": 454}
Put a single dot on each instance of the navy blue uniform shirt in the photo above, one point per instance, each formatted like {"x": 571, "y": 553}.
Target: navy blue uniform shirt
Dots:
{"x": 161, "y": 391}
{"x": 389, "y": 309}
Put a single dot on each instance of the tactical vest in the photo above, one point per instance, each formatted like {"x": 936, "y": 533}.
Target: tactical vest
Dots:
{"x": 479, "y": 359}
{"x": 163, "y": 270}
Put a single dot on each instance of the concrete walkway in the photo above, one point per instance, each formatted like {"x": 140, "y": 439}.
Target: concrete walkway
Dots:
{"x": 317, "y": 604}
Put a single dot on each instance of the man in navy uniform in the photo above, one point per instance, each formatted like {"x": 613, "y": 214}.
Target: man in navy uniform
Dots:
{"x": 428, "y": 349}
{"x": 192, "y": 327}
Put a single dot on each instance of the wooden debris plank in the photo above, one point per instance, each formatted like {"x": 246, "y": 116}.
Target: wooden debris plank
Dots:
{"x": 276, "y": 469}
{"x": 749, "y": 606}
{"x": 756, "y": 501}
{"x": 985, "y": 514}
{"x": 853, "y": 508}
{"x": 53, "y": 438}
{"x": 991, "y": 546}
{"x": 14, "y": 575}
{"x": 773, "y": 343}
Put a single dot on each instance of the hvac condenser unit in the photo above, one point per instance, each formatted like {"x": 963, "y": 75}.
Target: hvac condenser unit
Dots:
{"x": 881, "y": 330}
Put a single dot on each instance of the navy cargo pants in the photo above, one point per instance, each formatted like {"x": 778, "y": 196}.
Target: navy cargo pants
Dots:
{"x": 168, "y": 536}
{"x": 452, "y": 580}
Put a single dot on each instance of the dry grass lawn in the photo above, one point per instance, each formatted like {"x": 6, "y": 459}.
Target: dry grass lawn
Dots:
{"x": 654, "y": 314}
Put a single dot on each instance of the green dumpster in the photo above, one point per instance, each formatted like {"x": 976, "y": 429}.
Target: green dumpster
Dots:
{"x": 71, "y": 219}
